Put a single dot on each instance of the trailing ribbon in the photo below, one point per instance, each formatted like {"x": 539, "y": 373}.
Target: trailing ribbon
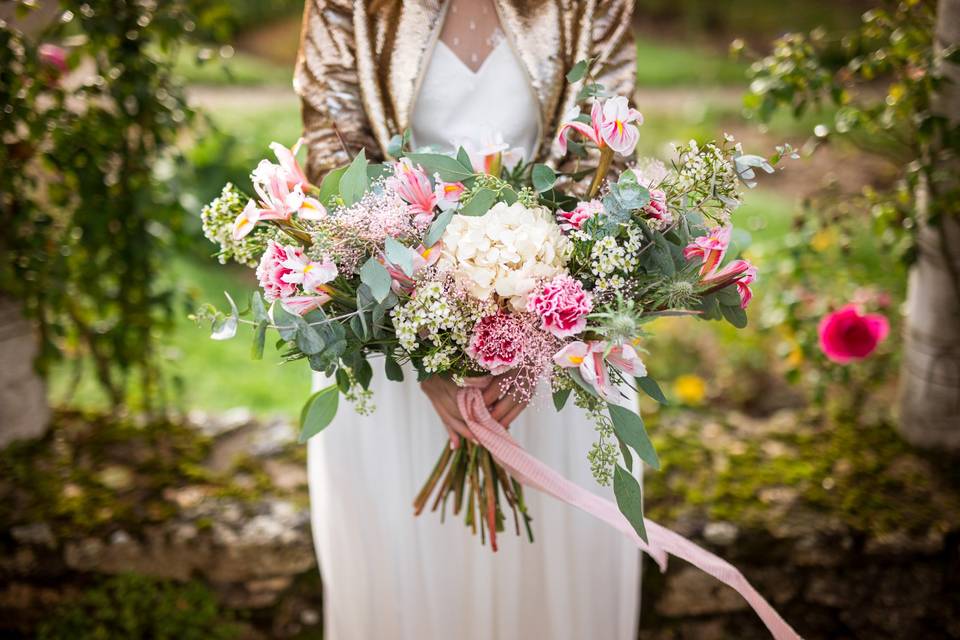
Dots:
{"x": 662, "y": 541}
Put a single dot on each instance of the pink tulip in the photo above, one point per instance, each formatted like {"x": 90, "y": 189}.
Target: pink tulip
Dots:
{"x": 709, "y": 248}
{"x": 413, "y": 185}
{"x": 613, "y": 123}
{"x": 847, "y": 335}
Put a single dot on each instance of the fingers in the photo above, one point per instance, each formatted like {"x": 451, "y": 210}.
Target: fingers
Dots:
{"x": 492, "y": 393}
{"x": 503, "y": 406}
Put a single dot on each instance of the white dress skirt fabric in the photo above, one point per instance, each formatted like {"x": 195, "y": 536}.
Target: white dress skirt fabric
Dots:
{"x": 388, "y": 575}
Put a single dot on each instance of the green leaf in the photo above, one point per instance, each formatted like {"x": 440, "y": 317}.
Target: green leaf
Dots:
{"x": 464, "y": 158}
{"x": 650, "y": 387}
{"x": 307, "y": 339}
{"x": 575, "y": 375}
{"x": 285, "y": 322}
{"x": 354, "y": 182}
{"x": 227, "y": 327}
{"x": 629, "y": 428}
{"x": 543, "y": 178}
{"x": 343, "y": 380}
{"x": 578, "y": 71}
{"x": 728, "y": 296}
{"x": 735, "y": 315}
{"x": 364, "y": 373}
{"x": 589, "y": 91}
{"x": 399, "y": 255}
{"x": 625, "y": 452}
{"x": 259, "y": 339}
{"x": 258, "y": 308}
{"x": 375, "y": 275}
{"x": 330, "y": 185}
{"x": 318, "y": 412}
{"x": 393, "y": 369}
{"x": 450, "y": 169}
{"x": 479, "y": 203}
{"x": 398, "y": 143}
{"x": 438, "y": 227}
{"x": 560, "y": 398}
{"x": 376, "y": 171}
{"x": 629, "y": 499}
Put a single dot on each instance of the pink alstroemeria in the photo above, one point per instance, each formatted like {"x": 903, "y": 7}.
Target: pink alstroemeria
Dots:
{"x": 448, "y": 194}
{"x": 709, "y": 248}
{"x": 311, "y": 275}
{"x": 277, "y": 202}
{"x": 302, "y": 305}
{"x": 625, "y": 358}
{"x": 413, "y": 185}
{"x": 423, "y": 257}
{"x": 288, "y": 168}
{"x": 587, "y": 358}
{"x": 613, "y": 123}
{"x": 740, "y": 273}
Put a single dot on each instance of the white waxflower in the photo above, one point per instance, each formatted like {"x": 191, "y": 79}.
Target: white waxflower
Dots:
{"x": 505, "y": 252}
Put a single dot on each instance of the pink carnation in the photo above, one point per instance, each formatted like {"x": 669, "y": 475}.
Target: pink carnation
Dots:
{"x": 574, "y": 220}
{"x": 562, "y": 306}
{"x": 657, "y": 211}
{"x": 497, "y": 342}
{"x": 274, "y": 276}
{"x": 847, "y": 335}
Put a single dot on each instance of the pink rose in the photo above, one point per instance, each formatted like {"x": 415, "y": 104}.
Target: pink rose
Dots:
{"x": 574, "y": 220}
{"x": 847, "y": 335}
{"x": 496, "y": 342}
{"x": 562, "y": 306}
{"x": 274, "y": 276}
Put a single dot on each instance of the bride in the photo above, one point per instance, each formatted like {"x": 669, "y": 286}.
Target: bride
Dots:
{"x": 445, "y": 69}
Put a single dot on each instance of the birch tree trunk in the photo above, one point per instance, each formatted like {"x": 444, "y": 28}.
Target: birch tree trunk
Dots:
{"x": 930, "y": 375}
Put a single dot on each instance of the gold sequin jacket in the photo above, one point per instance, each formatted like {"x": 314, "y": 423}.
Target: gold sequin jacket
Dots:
{"x": 360, "y": 64}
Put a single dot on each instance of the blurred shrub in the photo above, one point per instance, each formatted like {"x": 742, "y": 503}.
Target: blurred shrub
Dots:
{"x": 135, "y": 606}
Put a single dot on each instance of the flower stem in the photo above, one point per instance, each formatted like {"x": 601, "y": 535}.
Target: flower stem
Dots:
{"x": 606, "y": 158}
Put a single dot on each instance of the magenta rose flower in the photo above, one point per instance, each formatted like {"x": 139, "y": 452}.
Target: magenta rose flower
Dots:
{"x": 497, "y": 342}
{"x": 562, "y": 306}
{"x": 847, "y": 335}
{"x": 274, "y": 276}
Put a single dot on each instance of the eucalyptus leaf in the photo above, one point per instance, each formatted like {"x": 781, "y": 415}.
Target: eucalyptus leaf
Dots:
{"x": 437, "y": 228}
{"x": 629, "y": 428}
{"x": 285, "y": 322}
{"x": 318, "y": 412}
{"x": 375, "y": 275}
{"x": 464, "y": 158}
{"x": 629, "y": 499}
{"x": 560, "y": 398}
{"x": 450, "y": 169}
{"x": 392, "y": 369}
{"x": 479, "y": 203}
{"x": 354, "y": 182}
{"x": 578, "y": 71}
{"x": 650, "y": 387}
{"x": 259, "y": 339}
{"x": 308, "y": 339}
{"x": 625, "y": 452}
{"x": 399, "y": 255}
{"x": 227, "y": 328}
{"x": 735, "y": 315}
{"x": 330, "y": 185}
{"x": 364, "y": 373}
{"x": 343, "y": 380}
{"x": 257, "y": 307}
{"x": 543, "y": 178}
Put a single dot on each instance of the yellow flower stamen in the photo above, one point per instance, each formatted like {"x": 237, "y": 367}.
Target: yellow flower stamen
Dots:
{"x": 575, "y": 359}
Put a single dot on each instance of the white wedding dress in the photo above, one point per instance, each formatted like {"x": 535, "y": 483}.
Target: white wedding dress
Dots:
{"x": 388, "y": 575}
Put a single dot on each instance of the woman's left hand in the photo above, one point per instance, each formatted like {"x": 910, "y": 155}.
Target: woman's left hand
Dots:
{"x": 504, "y": 407}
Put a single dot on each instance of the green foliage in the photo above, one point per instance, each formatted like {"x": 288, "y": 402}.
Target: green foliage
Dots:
{"x": 135, "y": 606}
{"x": 88, "y": 221}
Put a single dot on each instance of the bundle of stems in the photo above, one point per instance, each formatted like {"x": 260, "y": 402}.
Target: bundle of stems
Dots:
{"x": 470, "y": 474}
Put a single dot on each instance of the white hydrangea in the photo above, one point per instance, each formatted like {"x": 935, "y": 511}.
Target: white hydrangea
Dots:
{"x": 505, "y": 252}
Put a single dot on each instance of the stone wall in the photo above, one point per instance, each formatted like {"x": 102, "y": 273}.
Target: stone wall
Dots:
{"x": 223, "y": 500}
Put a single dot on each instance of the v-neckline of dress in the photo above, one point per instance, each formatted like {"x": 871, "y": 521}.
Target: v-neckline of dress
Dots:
{"x": 464, "y": 65}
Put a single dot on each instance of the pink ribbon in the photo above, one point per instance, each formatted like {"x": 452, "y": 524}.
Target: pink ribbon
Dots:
{"x": 662, "y": 541}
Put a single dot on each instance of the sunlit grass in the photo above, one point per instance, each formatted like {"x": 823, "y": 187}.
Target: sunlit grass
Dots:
{"x": 660, "y": 64}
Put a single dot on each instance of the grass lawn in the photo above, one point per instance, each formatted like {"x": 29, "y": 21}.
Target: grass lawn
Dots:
{"x": 660, "y": 64}
{"x": 209, "y": 67}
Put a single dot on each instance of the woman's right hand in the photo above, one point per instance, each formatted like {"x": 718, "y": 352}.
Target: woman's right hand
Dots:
{"x": 442, "y": 392}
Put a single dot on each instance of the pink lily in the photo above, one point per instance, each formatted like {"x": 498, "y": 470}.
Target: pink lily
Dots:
{"x": 246, "y": 221}
{"x": 277, "y": 202}
{"x": 613, "y": 123}
{"x": 413, "y": 185}
{"x": 302, "y": 305}
{"x": 448, "y": 194}
{"x": 709, "y": 248}
{"x": 288, "y": 169}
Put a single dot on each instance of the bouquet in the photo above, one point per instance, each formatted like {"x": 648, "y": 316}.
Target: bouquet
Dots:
{"x": 467, "y": 266}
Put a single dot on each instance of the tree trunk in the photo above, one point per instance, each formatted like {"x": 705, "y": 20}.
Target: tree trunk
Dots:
{"x": 24, "y": 412}
{"x": 930, "y": 375}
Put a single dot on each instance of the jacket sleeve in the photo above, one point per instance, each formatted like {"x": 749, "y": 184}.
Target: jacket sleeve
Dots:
{"x": 326, "y": 80}
{"x": 614, "y": 46}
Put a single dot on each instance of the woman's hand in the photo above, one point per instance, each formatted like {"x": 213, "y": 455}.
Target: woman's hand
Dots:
{"x": 503, "y": 407}
{"x": 442, "y": 392}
